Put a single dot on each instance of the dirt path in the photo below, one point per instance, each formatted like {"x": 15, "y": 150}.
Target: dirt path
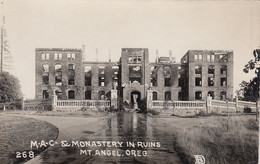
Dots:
{"x": 72, "y": 128}
{"x": 123, "y": 127}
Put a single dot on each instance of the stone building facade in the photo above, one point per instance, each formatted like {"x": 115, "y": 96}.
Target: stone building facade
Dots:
{"x": 66, "y": 73}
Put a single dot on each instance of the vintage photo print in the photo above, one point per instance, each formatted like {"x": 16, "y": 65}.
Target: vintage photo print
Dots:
{"x": 138, "y": 82}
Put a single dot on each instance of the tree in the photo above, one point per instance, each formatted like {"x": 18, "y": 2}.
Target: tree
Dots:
{"x": 252, "y": 64}
{"x": 249, "y": 91}
{"x": 10, "y": 88}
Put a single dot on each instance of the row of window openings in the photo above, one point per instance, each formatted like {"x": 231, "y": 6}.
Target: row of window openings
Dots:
{"x": 211, "y": 69}
{"x": 211, "y": 80}
{"x": 71, "y": 80}
{"x": 134, "y": 59}
{"x": 167, "y": 96}
{"x": 57, "y": 67}
{"x": 71, "y": 94}
{"x": 198, "y": 95}
{"x": 167, "y": 81}
{"x": 58, "y": 56}
{"x": 210, "y": 57}
{"x": 102, "y": 96}
{"x": 87, "y": 69}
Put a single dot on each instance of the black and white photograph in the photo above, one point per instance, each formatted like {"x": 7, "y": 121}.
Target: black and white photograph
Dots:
{"x": 129, "y": 82}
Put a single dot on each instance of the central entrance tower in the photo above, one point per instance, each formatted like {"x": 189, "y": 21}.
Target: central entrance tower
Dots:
{"x": 135, "y": 74}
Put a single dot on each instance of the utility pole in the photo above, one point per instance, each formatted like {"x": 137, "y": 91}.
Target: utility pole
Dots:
{"x": 257, "y": 58}
{"x": 2, "y": 44}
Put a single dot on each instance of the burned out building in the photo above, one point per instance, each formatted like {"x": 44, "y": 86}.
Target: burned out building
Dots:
{"x": 66, "y": 73}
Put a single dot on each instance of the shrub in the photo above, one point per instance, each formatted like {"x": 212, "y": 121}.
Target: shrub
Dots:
{"x": 202, "y": 113}
{"x": 83, "y": 109}
{"x": 153, "y": 112}
{"x": 143, "y": 105}
{"x": 247, "y": 109}
{"x": 252, "y": 124}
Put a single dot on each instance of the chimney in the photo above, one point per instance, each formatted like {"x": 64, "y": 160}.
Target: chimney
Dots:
{"x": 170, "y": 55}
{"x": 157, "y": 56}
{"x": 109, "y": 55}
{"x": 96, "y": 55}
{"x": 83, "y": 53}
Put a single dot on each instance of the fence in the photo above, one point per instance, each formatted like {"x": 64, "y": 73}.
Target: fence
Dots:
{"x": 216, "y": 106}
{"x": 11, "y": 105}
{"x": 37, "y": 104}
{"x": 80, "y": 104}
{"x": 178, "y": 104}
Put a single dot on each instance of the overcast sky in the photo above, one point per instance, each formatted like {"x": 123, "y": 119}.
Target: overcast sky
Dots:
{"x": 162, "y": 25}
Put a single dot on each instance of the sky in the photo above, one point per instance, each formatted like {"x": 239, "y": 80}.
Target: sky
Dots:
{"x": 112, "y": 25}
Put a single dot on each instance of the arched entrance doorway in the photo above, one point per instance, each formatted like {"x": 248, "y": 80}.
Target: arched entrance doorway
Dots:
{"x": 135, "y": 99}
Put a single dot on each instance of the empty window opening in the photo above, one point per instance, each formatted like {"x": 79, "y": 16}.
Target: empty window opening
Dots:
{"x": 198, "y": 95}
{"x": 167, "y": 76}
{"x": 101, "y": 95}
{"x": 71, "y": 56}
{"x": 223, "y": 70}
{"x": 223, "y": 57}
{"x": 135, "y": 74}
{"x": 71, "y": 74}
{"x": 101, "y": 76}
{"x": 211, "y": 94}
{"x": 87, "y": 70}
{"x": 211, "y": 70}
{"x": 198, "y": 81}
{"x": 155, "y": 96}
{"x": 58, "y": 74}
{"x": 167, "y": 72}
{"x": 71, "y": 94}
{"x": 115, "y": 77}
{"x": 198, "y": 57}
{"x": 45, "y": 94}
{"x": 45, "y": 68}
{"x": 154, "y": 75}
{"x": 167, "y": 96}
{"x": 58, "y": 56}
{"x": 167, "y": 82}
{"x": 134, "y": 59}
{"x": 153, "y": 81}
{"x": 223, "y": 81}
{"x": 198, "y": 69}
{"x": 223, "y": 95}
{"x": 45, "y": 56}
{"x": 180, "y": 96}
{"x": 45, "y": 74}
{"x": 58, "y": 93}
{"x": 210, "y": 81}
{"x": 88, "y": 95}
{"x": 45, "y": 80}
{"x": 181, "y": 81}
{"x": 210, "y": 57}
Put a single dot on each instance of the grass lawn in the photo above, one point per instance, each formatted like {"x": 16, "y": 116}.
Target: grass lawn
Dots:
{"x": 16, "y": 134}
{"x": 89, "y": 113}
{"x": 221, "y": 141}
